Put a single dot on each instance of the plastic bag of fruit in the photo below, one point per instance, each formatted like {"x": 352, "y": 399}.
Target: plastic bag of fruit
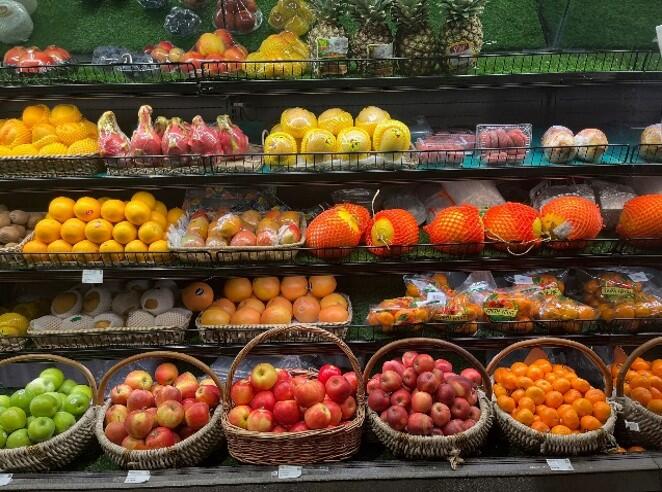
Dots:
{"x": 292, "y": 15}
{"x": 550, "y": 282}
{"x": 405, "y": 311}
{"x": 238, "y": 16}
{"x": 503, "y": 144}
{"x": 565, "y": 315}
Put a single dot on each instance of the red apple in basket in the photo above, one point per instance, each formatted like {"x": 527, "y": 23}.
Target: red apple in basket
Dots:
{"x": 187, "y": 403}
{"x": 352, "y": 380}
{"x": 472, "y": 375}
{"x": 139, "y": 399}
{"x": 338, "y": 388}
{"x": 165, "y": 393}
{"x": 460, "y": 409}
{"x": 161, "y": 437}
{"x": 409, "y": 378}
{"x": 283, "y": 391}
{"x": 115, "y": 432}
{"x": 427, "y": 382}
{"x": 421, "y": 402}
{"x": 374, "y": 383}
{"x": 186, "y": 431}
{"x": 393, "y": 365}
{"x": 139, "y": 423}
{"x": 260, "y": 420}
{"x": 139, "y": 379}
{"x": 133, "y": 444}
{"x": 391, "y": 381}
{"x": 242, "y": 392}
{"x": 397, "y": 417}
{"x": 187, "y": 385}
{"x": 120, "y": 393}
{"x": 286, "y": 412}
{"x": 379, "y": 400}
{"x": 461, "y": 385}
{"x": 317, "y": 417}
{"x": 299, "y": 427}
{"x": 309, "y": 393}
{"x": 238, "y": 416}
{"x": 440, "y": 414}
{"x": 408, "y": 358}
{"x": 336, "y": 412}
{"x": 326, "y": 371}
{"x": 401, "y": 398}
{"x": 348, "y": 408}
{"x": 422, "y": 363}
{"x": 116, "y": 413}
{"x": 170, "y": 414}
{"x": 208, "y": 394}
{"x": 419, "y": 424}
{"x": 443, "y": 365}
{"x": 282, "y": 375}
{"x": 263, "y": 399}
{"x": 166, "y": 373}
{"x": 197, "y": 416}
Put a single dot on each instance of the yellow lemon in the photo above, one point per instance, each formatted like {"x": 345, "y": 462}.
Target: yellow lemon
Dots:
{"x": 61, "y": 208}
{"x": 124, "y": 232}
{"x": 37, "y": 113}
{"x": 88, "y": 248}
{"x": 113, "y": 210}
{"x": 65, "y": 113}
{"x": 160, "y": 246}
{"x": 146, "y": 197}
{"x": 160, "y": 219}
{"x": 161, "y": 208}
{"x": 47, "y": 230}
{"x": 174, "y": 214}
{"x": 73, "y": 230}
{"x": 99, "y": 231}
{"x": 87, "y": 209}
{"x": 112, "y": 250}
{"x": 150, "y": 231}
{"x": 137, "y": 212}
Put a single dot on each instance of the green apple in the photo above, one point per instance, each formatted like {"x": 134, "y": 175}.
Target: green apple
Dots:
{"x": 12, "y": 419}
{"x": 60, "y": 397}
{"x": 5, "y": 401}
{"x": 54, "y": 374}
{"x": 39, "y": 386}
{"x": 2, "y": 409}
{"x": 63, "y": 420}
{"x": 18, "y": 439}
{"x": 75, "y": 404}
{"x": 67, "y": 386}
{"x": 21, "y": 399}
{"x": 29, "y": 420}
{"x": 3, "y": 438}
{"x": 84, "y": 389}
{"x": 41, "y": 429}
{"x": 44, "y": 405}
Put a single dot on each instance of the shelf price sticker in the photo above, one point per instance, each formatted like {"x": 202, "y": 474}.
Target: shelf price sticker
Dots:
{"x": 5, "y": 479}
{"x": 288, "y": 471}
{"x": 633, "y": 426}
{"x": 560, "y": 464}
{"x": 92, "y": 277}
{"x": 137, "y": 476}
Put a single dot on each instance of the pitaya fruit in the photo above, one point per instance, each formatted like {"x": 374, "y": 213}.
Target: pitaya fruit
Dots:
{"x": 204, "y": 139}
{"x": 112, "y": 140}
{"x": 145, "y": 140}
{"x": 233, "y": 139}
{"x": 175, "y": 139}
{"x": 160, "y": 125}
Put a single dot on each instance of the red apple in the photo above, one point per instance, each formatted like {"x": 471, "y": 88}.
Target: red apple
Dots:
{"x": 238, "y": 416}
{"x": 139, "y": 379}
{"x": 283, "y": 391}
{"x": 263, "y": 376}
{"x": 391, "y": 381}
{"x": 472, "y": 397}
{"x": 374, "y": 383}
{"x": 317, "y": 417}
{"x": 133, "y": 444}
{"x": 421, "y": 402}
{"x": 161, "y": 437}
{"x": 352, "y": 380}
{"x": 260, "y": 420}
{"x": 443, "y": 365}
{"x": 474, "y": 414}
{"x": 445, "y": 394}
{"x": 422, "y": 363}
{"x": 379, "y": 401}
{"x": 309, "y": 393}
{"x": 348, "y": 408}
{"x": 440, "y": 414}
{"x": 427, "y": 382}
{"x": 326, "y": 371}
{"x": 116, "y": 432}
{"x": 397, "y": 417}
{"x": 208, "y": 394}
{"x": 116, "y": 413}
{"x": 156, "y": 387}
{"x": 187, "y": 402}
{"x": 282, "y": 375}
{"x": 170, "y": 414}
{"x": 165, "y": 393}
{"x": 436, "y": 431}
{"x": 409, "y": 378}
{"x": 263, "y": 399}
{"x": 139, "y": 423}
{"x": 472, "y": 375}
{"x": 152, "y": 411}
{"x": 297, "y": 380}
{"x": 185, "y": 431}
{"x": 120, "y": 393}
{"x": 419, "y": 424}
{"x": 139, "y": 400}
{"x": 460, "y": 409}
{"x": 469, "y": 423}
{"x": 461, "y": 385}
{"x": 279, "y": 429}
{"x": 286, "y": 412}
{"x": 197, "y": 416}
{"x": 453, "y": 427}
{"x": 208, "y": 382}
{"x": 242, "y": 392}
{"x": 166, "y": 373}
{"x": 336, "y": 412}
{"x": 408, "y": 358}
{"x": 440, "y": 375}
{"x": 299, "y": 427}
{"x": 187, "y": 385}
{"x": 338, "y": 388}
{"x": 393, "y": 365}
{"x": 401, "y": 398}
{"x": 177, "y": 437}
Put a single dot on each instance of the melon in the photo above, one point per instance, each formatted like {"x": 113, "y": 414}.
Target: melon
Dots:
{"x": 360, "y": 213}
{"x": 67, "y": 304}
{"x": 157, "y": 301}
{"x": 77, "y": 322}
{"x": 393, "y": 229}
{"x": 457, "y": 230}
{"x": 125, "y": 302}
{"x": 140, "y": 318}
{"x": 97, "y": 300}
{"x": 107, "y": 320}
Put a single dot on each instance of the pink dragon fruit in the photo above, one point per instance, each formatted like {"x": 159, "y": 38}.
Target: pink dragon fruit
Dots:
{"x": 204, "y": 139}
{"x": 233, "y": 140}
{"x": 112, "y": 140}
{"x": 145, "y": 140}
{"x": 160, "y": 125}
{"x": 175, "y": 139}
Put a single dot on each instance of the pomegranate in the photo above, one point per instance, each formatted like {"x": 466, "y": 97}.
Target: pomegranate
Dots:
{"x": 175, "y": 138}
{"x": 145, "y": 140}
{"x": 204, "y": 139}
{"x": 112, "y": 140}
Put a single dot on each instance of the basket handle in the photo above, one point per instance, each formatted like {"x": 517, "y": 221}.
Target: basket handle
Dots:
{"x": 89, "y": 377}
{"x": 264, "y": 336}
{"x": 436, "y": 343}
{"x": 640, "y": 350}
{"x": 555, "y": 342}
{"x": 157, "y": 354}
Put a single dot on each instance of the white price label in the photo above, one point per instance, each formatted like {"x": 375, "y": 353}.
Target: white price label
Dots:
{"x": 633, "y": 426}
{"x": 523, "y": 280}
{"x": 436, "y": 297}
{"x": 289, "y": 471}
{"x": 658, "y": 30}
{"x": 137, "y": 476}
{"x": 5, "y": 479}
{"x": 92, "y": 276}
{"x": 560, "y": 464}
{"x": 638, "y": 277}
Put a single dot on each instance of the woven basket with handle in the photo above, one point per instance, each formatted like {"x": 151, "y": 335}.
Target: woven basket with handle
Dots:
{"x": 312, "y": 446}
{"x": 547, "y": 444}
{"x": 433, "y": 447}
{"x": 649, "y": 423}
{"x": 188, "y": 452}
{"x": 63, "y": 448}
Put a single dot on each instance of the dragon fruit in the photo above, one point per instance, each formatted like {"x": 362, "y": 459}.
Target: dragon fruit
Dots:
{"x": 175, "y": 139}
{"x": 112, "y": 140}
{"x": 204, "y": 139}
{"x": 233, "y": 140}
{"x": 145, "y": 140}
{"x": 160, "y": 125}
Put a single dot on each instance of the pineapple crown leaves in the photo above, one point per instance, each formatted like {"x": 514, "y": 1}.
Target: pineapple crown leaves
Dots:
{"x": 328, "y": 10}
{"x": 410, "y": 14}
{"x": 370, "y": 11}
{"x": 463, "y": 9}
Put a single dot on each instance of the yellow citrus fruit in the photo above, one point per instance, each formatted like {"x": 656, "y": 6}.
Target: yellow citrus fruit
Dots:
{"x": 56, "y": 148}
{"x": 5, "y": 150}
{"x": 45, "y": 140}
{"x": 91, "y": 129}
{"x": 61, "y": 208}
{"x": 73, "y": 230}
{"x": 99, "y": 231}
{"x": 124, "y": 232}
{"x": 174, "y": 214}
{"x": 137, "y": 212}
{"x": 135, "y": 248}
{"x": 160, "y": 246}
{"x": 150, "y": 231}
{"x": 84, "y": 147}
{"x": 146, "y": 197}
{"x": 65, "y": 113}
{"x": 41, "y": 130}
{"x": 59, "y": 247}
{"x": 103, "y": 199}
{"x": 87, "y": 247}
{"x": 37, "y": 113}
{"x": 161, "y": 208}
{"x": 87, "y": 209}
{"x": 25, "y": 150}
{"x": 160, "y": 219}
{"x": 68, "y": 133}
{"x": 112, "y": 246}
{"x": 47, "y": 230}
{"x": 35, "y": 246}
{"x": 113, "y": 210}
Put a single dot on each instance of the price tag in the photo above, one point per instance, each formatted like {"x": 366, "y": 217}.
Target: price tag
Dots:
{"x": 658, "y": 29}
{"x": 560, "y": 464}
{"x": 638, "y": 277}
{"x": 523, "y": 280}
{"x": 633, "y": 426}
{"x": 5, "y": 479}
{"x": 289, "y": 471}
{"x": 436, "y": 297}
{"x": 137, "y": 476}
{"x": 92, "y": 276}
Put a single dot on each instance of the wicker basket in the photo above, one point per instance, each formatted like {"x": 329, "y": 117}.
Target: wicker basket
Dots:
{"x": 649, "y": 423}
{"x": 312, "y": 446}
{"x": 230, "y": 334}
{"x": 188, "y": 452}
{"x": 406, "y": 445}
{"x": 174, "y": 165}
{"x": 12, "y": 257}
{"x": 63, "y": 448}
{"x": 126, "y": 336}
{"x": 547, "y": 444}
{"x": 50, "y": 166}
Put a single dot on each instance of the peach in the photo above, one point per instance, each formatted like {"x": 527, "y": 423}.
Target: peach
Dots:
{"x": 266, "y": 288}
{"x": 306, "y": 309}
{"x": 292, "y": 288}
{"x": 333, "y": 300}
{"x": 322, "y": 285}
{"x": 225, "y": 304}
{"x": 245, "y": 316}
{"x": 280, "y": 301}
{"x": 276, "y": 315}
{"x": 333, "y": 314}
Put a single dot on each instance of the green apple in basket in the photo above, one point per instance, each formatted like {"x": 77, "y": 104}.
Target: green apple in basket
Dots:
{"x": 39, "y": 386}
{"x": 75, "y": 404}
{"x": 44, "y": 406}
{"x": 5, "y": 401}
{"x": 41, "y": 429}
{"x": 83, "y": 389}
{"x": 21, "y": 399}
{"x": 63, "y": 421}
{"x": 54, "y": 375}
{"x": 18, "y": 439}
{"x": 12, "y": 419}
{"x": 67, "y": 386}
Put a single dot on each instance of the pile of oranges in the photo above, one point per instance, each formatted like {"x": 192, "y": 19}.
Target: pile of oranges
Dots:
{"x": 103, "y": 226}
{"x": 643, "y": 383}
{"x": 550, "y": 398}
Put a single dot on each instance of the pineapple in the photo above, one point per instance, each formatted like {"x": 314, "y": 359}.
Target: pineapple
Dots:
{"x": 462, "y": 32}
{"x": 415, "y": 39}
{"x": 370, "y": 16}
{"x": 328, "y": 23}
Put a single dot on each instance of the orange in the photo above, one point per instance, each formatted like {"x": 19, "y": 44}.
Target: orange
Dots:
{"x": 601, "y": 411}
{"x": 581, "y": 385}
{"x": 655, "y": 393}
{"x": 47, "y": 230}
{"x": 173, "y": 215}
{"x": 526, "y": 402}
{"x": 594, "y": 395}
{"x": 549, "y": 416}
{"x": 499, "y": 374}
{"x": 536, "y": 394}
{"x": 551, "y": 377}
{"x": 59, "y": 246}
{"x": 87, "y": 247}
{"x": 571, "y": 395}
{"x": 87, "y": 209}
{"x": 589, "y": 423}
{"x": 160, "y": 219}
{"x": 519, "y": 369}
{"x": 554, "y": 399}
{"x": 655, "y": 382}
{"x": 61, "y": 208}
{"x": 524, "y": 416}
{"x": 655, "y": 406}
{"x": 524, "y": 382}
{"x": 99, "y": 231}
{"x": 33, "y": 247}
{"x": 545, "y": 385}
{"x": 561, "y": 430}
{"x": 562, "y": 385}
{"x": 535, "y": 373}
{"x": 582, "y": 406}
{"x": 113, "y": 210}
{"x": 656, "y": 367}
{"x": 146, "y": 197}
{"x": 639, "y": 381}
{"x": 137, "y": 212}
{"x": 237, "y": 289}
{"x": 160, "y": 246}
{"x": 136, "y": 247}
{"x": 124, "y": 232}
{"x": 517, "y": 394}
{"x": 506, "y": 403}
{"x": 540, "y": 427}
{"x": 544, "y": 364}
{"x": 570, "y": 419}
{"x": 73, "y": 230}
{"x": 563, "y": 408}
{"x": 509, "y": 381}
{"x": 161, "y": 208}
{"x": 112, "y": 250}
{"x": 499, "y": 390}
{"x": 642, "y": 395}
{"x": 150, "y": 231}
{"x": 640, "y": 364}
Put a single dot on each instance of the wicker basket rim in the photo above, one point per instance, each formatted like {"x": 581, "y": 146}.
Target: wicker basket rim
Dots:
{"x": 638, "y": 407}
{"x": 45, "y": 157}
